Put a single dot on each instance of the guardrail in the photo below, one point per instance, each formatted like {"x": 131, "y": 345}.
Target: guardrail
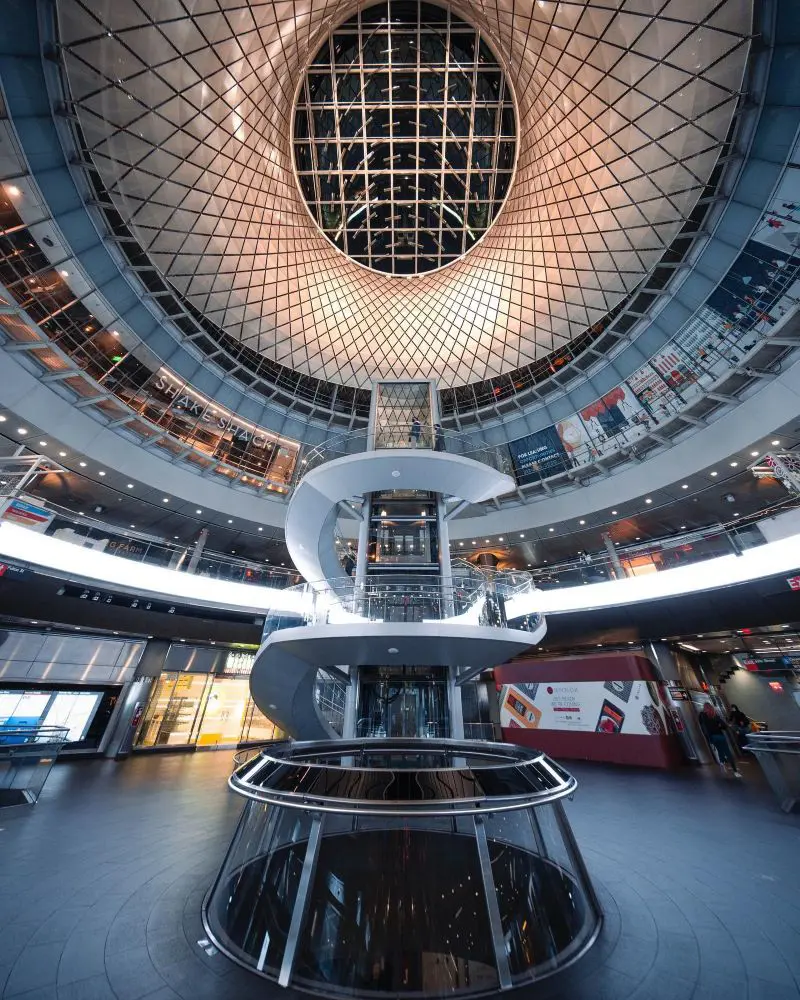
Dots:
{"x": 473, "y": 598}
{"x": 27, "y": 755}
{"x": 778, "y": 753}
{"x": 426, "y": 438}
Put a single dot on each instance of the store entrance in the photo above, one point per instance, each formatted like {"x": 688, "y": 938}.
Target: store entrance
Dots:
{"x": 404, "y": 701}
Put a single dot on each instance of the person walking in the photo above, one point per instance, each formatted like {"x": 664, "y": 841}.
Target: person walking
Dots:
{"x": 415, "y": 432}
{"x": 714, "y": 731}
{"x": 740, "y": 724}
{"x": 438, "y": 438}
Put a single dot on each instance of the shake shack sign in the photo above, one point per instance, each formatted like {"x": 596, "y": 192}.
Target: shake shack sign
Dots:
{"x": 206, "y": 413}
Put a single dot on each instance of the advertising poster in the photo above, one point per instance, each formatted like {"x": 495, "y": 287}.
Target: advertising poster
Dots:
{"x": 538, "y": 455}
{"x": 576, "y": 441}
{"x": 610, "y": 707}
{"x": 22, "y": 510}
{"x": 652, "y": 392}
{"x": 617, "y": 415}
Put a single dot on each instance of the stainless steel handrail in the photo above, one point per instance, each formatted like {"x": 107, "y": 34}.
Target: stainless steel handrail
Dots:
{"x": 557, "y": 783}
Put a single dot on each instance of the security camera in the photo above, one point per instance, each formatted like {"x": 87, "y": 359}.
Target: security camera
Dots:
{"x": 729, "y": 497}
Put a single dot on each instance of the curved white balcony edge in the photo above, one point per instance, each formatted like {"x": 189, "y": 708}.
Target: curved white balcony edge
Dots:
{"x": 283, "y": 675}
{"x": 100, "y": 569}
{"x": 312, "y": 510}
{"x": 762, "y": 561}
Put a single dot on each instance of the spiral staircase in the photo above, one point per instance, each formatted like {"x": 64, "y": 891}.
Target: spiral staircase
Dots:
{"x": 448, "y": 618}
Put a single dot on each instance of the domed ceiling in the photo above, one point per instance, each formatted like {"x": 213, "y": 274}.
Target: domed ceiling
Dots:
{"x": 623, "y": 107}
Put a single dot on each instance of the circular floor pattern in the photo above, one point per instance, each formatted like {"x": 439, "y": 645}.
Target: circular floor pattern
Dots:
{"x": 101, "y": 886}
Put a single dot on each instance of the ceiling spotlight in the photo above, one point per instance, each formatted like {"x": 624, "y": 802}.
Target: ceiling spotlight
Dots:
{"x": 500, "y": 538}
{"x": 130, "y": 486}
{"x": 230, "y": 520}
{"x": 521, "y": 536}
{"x": 461, "y": 543}
{"x": 198, "y": 511}
{"x": 648, "y": 500}
{"x": 22, "y": 430}
{"x": 64, "y": 274}
{"x": 393, "y": 649}
{"x": 133, "y": 525}
{"x": 260, "y": 529}
{"x": 62, "y": 454}
{"x": 683, "y": 527}
{"x": 42, "y": 444}
{"x": 613, "y": 512}
{"x": 754, "y": 454}
{"x": 165, "y": 499}
{"x": 713, "y": 473}
{"x": 551, "y": 529}
{"x": 3, "y": 419}
{"x": 685, "y": 486}
{"x": 486, "y": 541}
{"x": 775, "y": 443}
{"x": 734, "y": 464}
{"x": 581, "y": 522}
{"x": 82, "y": 464}
{"x": 115, "y": 333}
{"x": 12, "y": 190}
{"x": 101, "y": 473}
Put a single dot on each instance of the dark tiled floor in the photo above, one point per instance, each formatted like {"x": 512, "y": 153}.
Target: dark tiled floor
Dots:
{"x": 101, "y": 886}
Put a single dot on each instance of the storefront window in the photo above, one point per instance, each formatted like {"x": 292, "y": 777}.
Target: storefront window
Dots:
{"x": 173, "y": 710}
{"x": 202, "y": 710}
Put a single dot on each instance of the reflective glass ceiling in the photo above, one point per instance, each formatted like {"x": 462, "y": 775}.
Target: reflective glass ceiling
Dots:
{"x": 623, "y": 108}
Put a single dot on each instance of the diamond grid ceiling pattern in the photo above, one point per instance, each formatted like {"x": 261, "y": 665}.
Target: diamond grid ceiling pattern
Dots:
{"x": 623, "y": 107}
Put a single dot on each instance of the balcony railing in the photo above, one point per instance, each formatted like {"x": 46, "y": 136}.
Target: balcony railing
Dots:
{"x": 473, "y": 446}
{"x": 469, "y": 598}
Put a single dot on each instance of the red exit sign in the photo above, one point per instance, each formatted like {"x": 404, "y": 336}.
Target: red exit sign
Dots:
{"x": 794, "y": 582}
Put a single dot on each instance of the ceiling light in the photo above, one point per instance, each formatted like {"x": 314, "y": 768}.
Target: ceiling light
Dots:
{"x": 775, "y": 443}
{"x": 713, "y": 473}
{"x": 551, "y": 529}
{"x": 683, "y": 527}
{"x": 130, "y": 486}
{"x": 34, "y": 623}
{"x": 42, "y": 444}
{"x": 198, "y": 511}
{"x": 165, "y": 499}
{"x": 500, "y": 539}
{"x": 581, "y": 522}
{"x": 12, "y": 190}
{"x": 613, "y": 512}
{"x": 521, "y": 536}
{"x": 460, "y": 543}
{"x": 101, "y": 473}
{"x": 133, "y": 525}
{"x": 261, "y": 529}
{"x": 82, "y": 464}
{"x": 734, "y": 464}
{"x": 638, "y": 538}
{"x": 22, "y": 430}
{"x": 64, "y": 274}
{"x": 3, "y": 419}
{"x": 648, "y": 500}
{"x": 230, "y": 521}
{"x": 115, "y": 333}
{"x": 62, "y": 454}
{"x": 685, "y": 486}
{"x": 474, "y": 542}
{"x": 754, "y": 454}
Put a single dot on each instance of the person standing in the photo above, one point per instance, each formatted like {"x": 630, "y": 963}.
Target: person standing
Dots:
{"x": 438, "y": 438}
{"x": 414, "y": 432}
{"x": 714, "y": 731}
